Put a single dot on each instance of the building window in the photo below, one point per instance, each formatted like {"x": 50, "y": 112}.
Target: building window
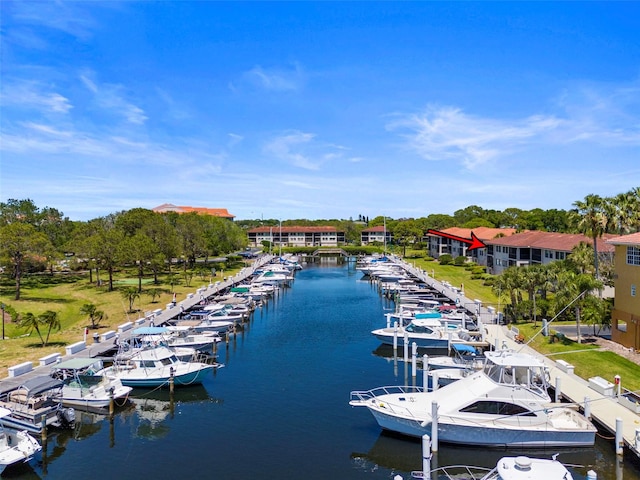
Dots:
{"x": 633, "y": 255}
{"x": 561, "y": 255}
{"x": 622, "y": 325}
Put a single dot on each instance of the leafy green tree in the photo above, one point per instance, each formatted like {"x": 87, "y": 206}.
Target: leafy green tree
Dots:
{"x": 51, "y": 320}
{"x": 439, "y": 221}
{"x": 31, "y": 323}
{"x": 108, "y": 248}
{"x": 467, "y": 214}
{"x": 478, "y": 222}
{"x": 22, "y": 211}
{"x": 19, "y": 241}
{"x": 191, "y": 231}
{"x": 407, "y": 232}
{"x": 95, "y": 315}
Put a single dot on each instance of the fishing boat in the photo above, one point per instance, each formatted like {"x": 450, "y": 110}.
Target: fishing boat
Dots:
{"x": 16, "y": 446}
{"x": 85, "y": 390}
{"x": 505, "y": 404}
{"x": 36, "y": 404}
{"x": 155, "y": 367}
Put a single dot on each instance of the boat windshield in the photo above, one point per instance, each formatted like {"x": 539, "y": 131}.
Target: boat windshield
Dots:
{"x": 413, "y": 328}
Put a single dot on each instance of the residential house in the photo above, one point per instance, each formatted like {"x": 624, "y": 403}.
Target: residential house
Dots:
{"x": 625, "y": 317}
{"x": 535, "y": 247}
{"x": 440, "y": 245}
{"x": 216, "y": 212}
{"x": 297, "y": 236}
{"x": 379, "y": 234}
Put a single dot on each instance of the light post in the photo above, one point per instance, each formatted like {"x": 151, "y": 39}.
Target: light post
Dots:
{"x": 2, "y": 307}
{"x": 280, "y": 240}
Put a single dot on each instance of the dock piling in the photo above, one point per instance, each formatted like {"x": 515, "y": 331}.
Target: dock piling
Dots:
{"x": 587, "y": 408}
{"x": 414, "y": 361}
{"x": 619, "y": 437}
{"x": 434, "y": 426}
{"x": 558, "y": 392}
{"x": 426, "y": 457}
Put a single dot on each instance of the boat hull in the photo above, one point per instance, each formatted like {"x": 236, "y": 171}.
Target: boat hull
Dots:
{"x": 483, "y": 434}
{"x": 421, "y": 342}
{"x": 194, "y": 377}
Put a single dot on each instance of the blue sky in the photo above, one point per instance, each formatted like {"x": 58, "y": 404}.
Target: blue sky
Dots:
{"x": 318, "y": 110}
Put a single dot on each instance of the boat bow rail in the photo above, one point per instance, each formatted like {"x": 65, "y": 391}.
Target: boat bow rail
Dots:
{"x": 360, "y": 398}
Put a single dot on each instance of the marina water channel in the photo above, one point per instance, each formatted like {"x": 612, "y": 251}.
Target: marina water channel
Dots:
{"x": 279, "y": 408}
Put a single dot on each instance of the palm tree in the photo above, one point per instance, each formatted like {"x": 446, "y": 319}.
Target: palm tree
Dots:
{"x": 95, "y": 315}
{"x": 130, "y": 294}
{"x": 591, "y": 220}
{"x": 51, "y": 319}
{"x": 581, "y": 257}
{"x": 509, "y": 282}
{"x": 31, "y": 322}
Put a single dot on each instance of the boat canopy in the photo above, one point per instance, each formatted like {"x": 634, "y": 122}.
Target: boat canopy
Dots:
{"x": 240, "y": 290}
{"x": 463, "y": 348}
{"x": 423, "y": 315}
{"x": 76, "y": 364}
{"x": 37, "y": 385}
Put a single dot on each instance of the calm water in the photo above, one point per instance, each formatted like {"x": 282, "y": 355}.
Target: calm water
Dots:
{"x": 279, "y": 408}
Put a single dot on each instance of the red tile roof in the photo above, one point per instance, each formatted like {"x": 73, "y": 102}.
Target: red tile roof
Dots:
{"x": 216, "y": 212}
{"x": 549, "y": 240}
{"x": 631, "y": 239}
{"x": 379, "y": 228}
{"x": 483, "y": 233}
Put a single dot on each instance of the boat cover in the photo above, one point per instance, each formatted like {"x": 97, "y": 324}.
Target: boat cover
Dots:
{"x": 37, "y": 385}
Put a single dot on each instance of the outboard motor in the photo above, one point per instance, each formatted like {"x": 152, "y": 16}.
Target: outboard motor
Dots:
{"x": 67, "y": 417}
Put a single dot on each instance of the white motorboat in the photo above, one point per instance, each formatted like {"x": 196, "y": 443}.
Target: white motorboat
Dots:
{"x": 155, "y": 367}
{"x": 85, "y": 390}
{"x": 426, "y": 333}
{"x": 507, "y": 468}
{"x": 36, "y": 403}
{"x": 151, "y": 337}
{"x": 505, "y": 404}
{"x": 16, "y": 446}
{"x": 183, "y": 336}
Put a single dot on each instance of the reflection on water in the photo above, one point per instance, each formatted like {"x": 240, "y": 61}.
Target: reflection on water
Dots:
{"x": 152, "y": 408}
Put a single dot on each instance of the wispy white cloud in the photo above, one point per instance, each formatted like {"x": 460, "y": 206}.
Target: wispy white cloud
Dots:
{"x": 275, "y": 79}
{"x": 585, "y": 114}
{"x": 31, "y": 94}
{"x": 603, "y": 114}
{"x": 288, "y": 148}
{"x": 447, "y": 133}
{"x": 303, "y": 150}
{"x": 234, "y": 139}
{"x": 71, "y": 18}
{"x": 112, "y": 98}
